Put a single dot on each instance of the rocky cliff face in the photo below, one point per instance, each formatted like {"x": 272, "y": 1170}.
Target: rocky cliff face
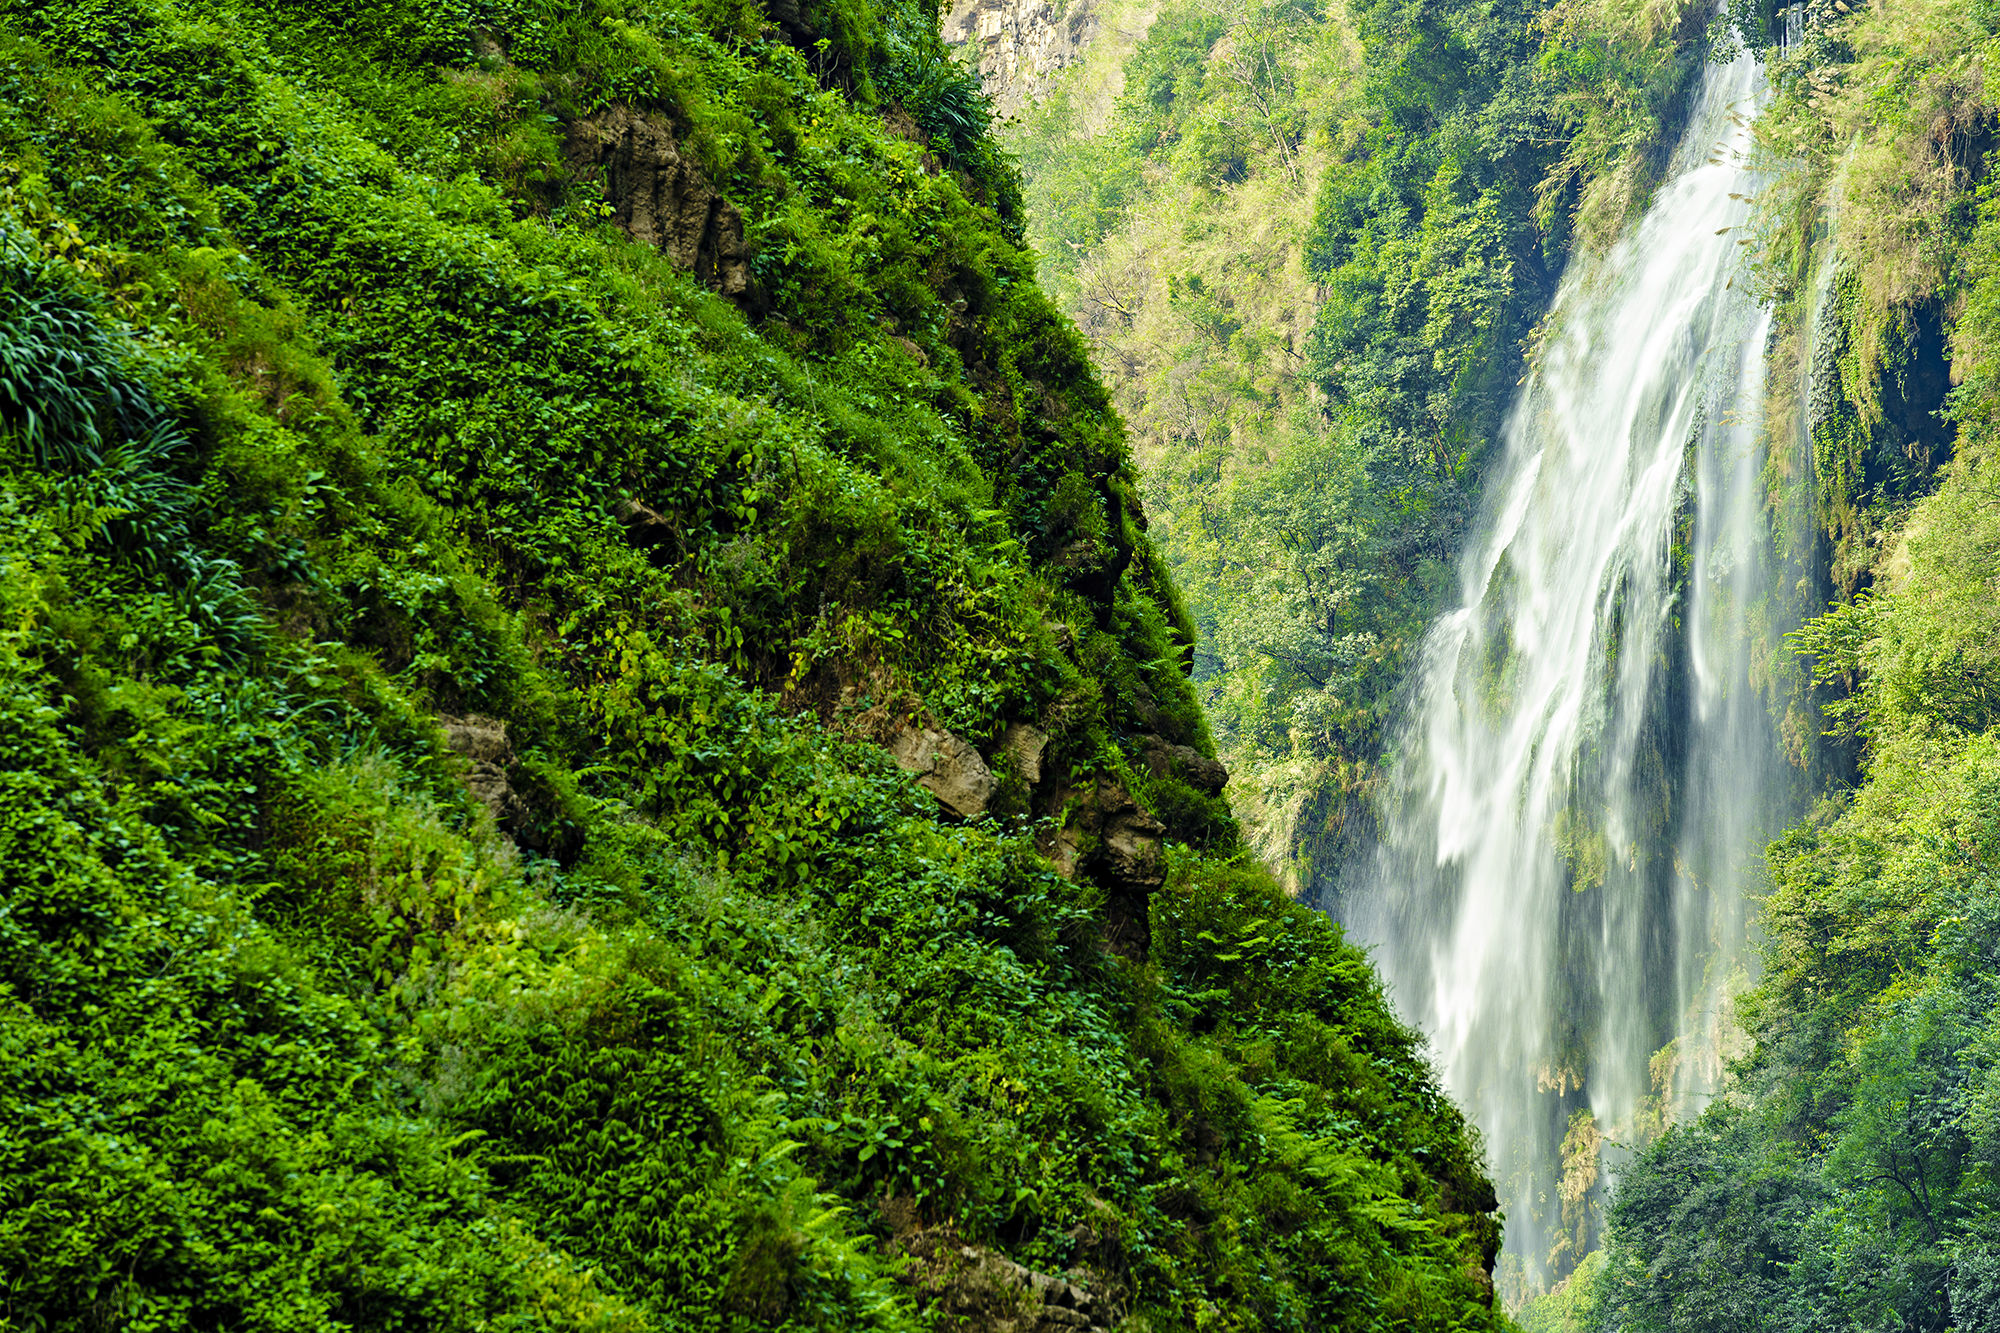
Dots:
{"x": 1020, "y": 45}
{"x": 660, "y": 195}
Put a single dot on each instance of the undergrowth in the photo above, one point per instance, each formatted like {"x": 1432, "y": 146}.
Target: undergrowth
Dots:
{"x": 352, "y": 462}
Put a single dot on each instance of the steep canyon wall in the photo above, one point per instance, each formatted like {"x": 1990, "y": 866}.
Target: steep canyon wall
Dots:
{"x": 1019, "y": 46}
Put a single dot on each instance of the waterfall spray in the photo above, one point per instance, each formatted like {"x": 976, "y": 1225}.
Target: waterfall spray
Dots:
{"x": 1589, "y": 766}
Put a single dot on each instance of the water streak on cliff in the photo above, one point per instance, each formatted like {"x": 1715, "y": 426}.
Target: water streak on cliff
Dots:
{"x": 1589, "y": 765}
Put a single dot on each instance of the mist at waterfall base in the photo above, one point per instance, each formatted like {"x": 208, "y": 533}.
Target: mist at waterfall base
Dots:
{"x": 1589, "y": 764}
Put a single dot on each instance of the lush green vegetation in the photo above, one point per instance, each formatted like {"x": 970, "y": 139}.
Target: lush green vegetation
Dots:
{"x": 1853, "y": 1180}
{"x": 353, "y": 460}
{"x": 1309, "y": 243}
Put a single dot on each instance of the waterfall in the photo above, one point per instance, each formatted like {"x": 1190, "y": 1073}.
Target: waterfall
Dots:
{"x": 1589, "y": 765}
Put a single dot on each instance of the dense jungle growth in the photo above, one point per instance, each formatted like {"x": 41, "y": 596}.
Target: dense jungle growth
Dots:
{"x": 592, "y": 736}
{"x": 595, "y": 733}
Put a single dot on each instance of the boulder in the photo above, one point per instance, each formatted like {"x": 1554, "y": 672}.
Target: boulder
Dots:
{"x": 1131, "y": 850}
{"x": 946, "y": 767}
{"x": 979, "y": 1291}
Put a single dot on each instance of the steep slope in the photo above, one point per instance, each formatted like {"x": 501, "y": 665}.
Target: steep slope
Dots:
{"x": 593, "y": 736}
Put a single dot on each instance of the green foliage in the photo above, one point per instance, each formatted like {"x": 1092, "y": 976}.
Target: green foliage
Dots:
{"x": 449, "y": 877}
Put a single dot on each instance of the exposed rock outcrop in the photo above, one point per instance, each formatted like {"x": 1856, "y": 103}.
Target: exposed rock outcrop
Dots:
{"x": 1186, "y": 763}
{"x": 946, "y": 767}
{"x": 1021, "y": 45}
{"x": 1108, "y": 835}
{"x": 1024, "y": 745}
{"x": 482, "y": 742}
{"x": 979, "y": 1291}
{"x": 660, "y": 195}
{"x": 1112, "y": 835}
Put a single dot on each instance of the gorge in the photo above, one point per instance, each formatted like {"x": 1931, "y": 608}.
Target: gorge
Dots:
{"x": 1563, "y": 588}
{"x": 1049, "y": 666}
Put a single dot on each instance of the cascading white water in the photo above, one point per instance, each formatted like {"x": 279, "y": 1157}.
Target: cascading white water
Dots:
{"x": 1589, "y": 767}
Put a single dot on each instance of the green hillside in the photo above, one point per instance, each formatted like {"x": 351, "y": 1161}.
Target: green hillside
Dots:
{"x": 593, "y": 736}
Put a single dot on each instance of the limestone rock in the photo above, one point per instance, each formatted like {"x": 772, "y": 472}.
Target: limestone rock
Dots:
{"x": 1025, "y": 744}
{"x": 660, "y": 196}
{"x": 946, "y": 767}
{"x": 1186, "y": 763}
{"x": 479, "y": 738}
{"x": 1021, "y": 45}
{"x": 483, "y": 743}
{"x": 1109, "y": 833}
{"x": 1132, "y": 849}
{"x": 979, "y": 1291}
